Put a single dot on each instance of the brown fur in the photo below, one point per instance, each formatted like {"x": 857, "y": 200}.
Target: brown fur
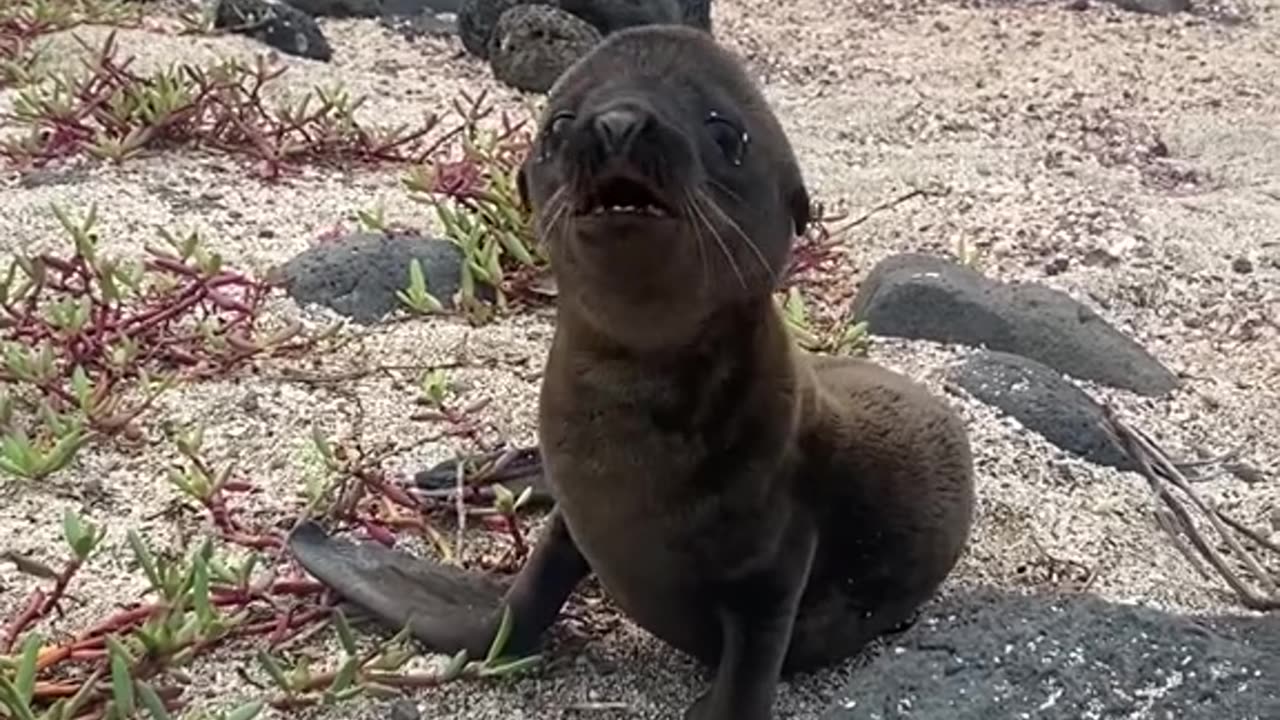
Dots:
{"x": 752, "y": 505}
{"x": 760, "y": 508}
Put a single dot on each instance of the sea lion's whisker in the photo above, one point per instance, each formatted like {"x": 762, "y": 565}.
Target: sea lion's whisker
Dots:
{"x": 700, "y": 214}
{"x": 755, "y": 249}
{"x": 724, "y": 189}
{"x": 554, "y": 212}
{"x": 686, "y": 203}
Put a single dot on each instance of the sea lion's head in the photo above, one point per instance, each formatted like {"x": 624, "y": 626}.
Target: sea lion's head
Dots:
{"x": 663, "y": 185}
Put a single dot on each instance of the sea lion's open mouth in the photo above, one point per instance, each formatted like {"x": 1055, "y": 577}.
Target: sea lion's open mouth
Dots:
{"x": 623, "y": 196}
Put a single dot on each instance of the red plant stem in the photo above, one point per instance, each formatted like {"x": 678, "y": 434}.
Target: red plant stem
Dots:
{"x": 60, "y": 585}
{"x": 40, "y": 604}
{"x": 280, "y": 630}
{"x": 255, "y": 542}
{"x": 376, "y": 482}
{"x": 120, "y": 621}
{"x": 297, "y": 587}
{"x": 24, "y": 619}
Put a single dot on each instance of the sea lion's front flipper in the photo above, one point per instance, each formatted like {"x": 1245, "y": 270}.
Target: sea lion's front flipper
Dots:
{"x": 757, "y": 613}
{"x": 447, "y": 609}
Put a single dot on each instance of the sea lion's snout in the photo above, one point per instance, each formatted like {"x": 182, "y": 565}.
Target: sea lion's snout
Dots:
{"x": 616, "y": 127}
{"x": 608, "y": 158}
{"x": 617, "y": 161}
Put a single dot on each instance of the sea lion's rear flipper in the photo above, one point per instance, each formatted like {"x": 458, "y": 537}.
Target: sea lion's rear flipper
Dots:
{"x": 447, "y": 609}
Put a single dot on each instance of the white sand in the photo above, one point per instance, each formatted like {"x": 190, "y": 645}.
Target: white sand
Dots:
{"x": 877, "y": 98}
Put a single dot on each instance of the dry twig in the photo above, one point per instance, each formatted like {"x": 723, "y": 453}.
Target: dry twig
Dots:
{"x": 1163, "y": 476}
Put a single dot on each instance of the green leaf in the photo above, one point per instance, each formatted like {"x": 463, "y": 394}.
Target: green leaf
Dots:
{"x": 190, "y": 442}
{"x": 21, "y": 710}
{"x": 90, "y": 536}
{"x": 81, "y": 698}
{"x": 200, "y": 588}
{"x": 24, "y": 680}
{"x": 524, "y": 497}
{"x": 504, "y": 501}
{"x": 511, "y": 667}
{"x": 72, "y": 528}
{"x": 63, "y": 451}
{"x": 417, "y": 282}
{"x": 121, "y": 680}
{"x": 345, "y": 636}
{"x": 148, "y": 562}
{"x": 153, "y": 703}
{"x": 301, "y": 675}
{"x": 501, "y": 637}
{"x": 248, "y": 711}
{"x": 380, "y": 691}
{"x": 456, "y": 665}
{"x": 272, "y": 666}
{"x": 17, "y": 456}
{"x": 322, "y": 446}
{"x": 80, "y": 385}
{"x": 346, "y": 675}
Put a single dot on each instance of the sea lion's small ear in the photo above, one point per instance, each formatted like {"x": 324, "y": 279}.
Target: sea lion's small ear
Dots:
{"x": 522, "y": 184}
{"x": 801, "y": 209}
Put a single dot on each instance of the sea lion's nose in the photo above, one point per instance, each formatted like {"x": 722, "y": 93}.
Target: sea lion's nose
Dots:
{"x": 617, "y": 127}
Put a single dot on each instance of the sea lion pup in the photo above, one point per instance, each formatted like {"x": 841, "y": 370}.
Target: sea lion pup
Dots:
{"x": 759, "y": 508}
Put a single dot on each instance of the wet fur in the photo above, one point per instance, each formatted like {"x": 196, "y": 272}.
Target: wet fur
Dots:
{"x": 760, "y": 508}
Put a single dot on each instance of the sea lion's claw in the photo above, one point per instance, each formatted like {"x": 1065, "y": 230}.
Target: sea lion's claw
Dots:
{"x": 447, "y": 609}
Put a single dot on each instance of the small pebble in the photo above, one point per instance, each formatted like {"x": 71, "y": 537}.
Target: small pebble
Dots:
{"x": 1245, "y": 472}
{"x": 1242, "y": 265}
{"x": 404, "y": 710}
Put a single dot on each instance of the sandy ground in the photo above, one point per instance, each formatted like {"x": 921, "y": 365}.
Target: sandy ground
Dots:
{"x": 1143, "y": 151}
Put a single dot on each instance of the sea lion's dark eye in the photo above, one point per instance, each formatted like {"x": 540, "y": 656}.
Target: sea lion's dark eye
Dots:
{"x": 555, "y": 132}
{"x": 559, "y": 124}
{"x": 731, "y": 138}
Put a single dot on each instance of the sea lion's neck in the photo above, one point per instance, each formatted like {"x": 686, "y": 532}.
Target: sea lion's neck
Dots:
{"x": 741, "y": 364}
{"x": 734, "y": 329}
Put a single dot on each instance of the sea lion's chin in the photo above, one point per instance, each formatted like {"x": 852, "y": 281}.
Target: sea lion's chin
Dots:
{"x": 624, "y": 228}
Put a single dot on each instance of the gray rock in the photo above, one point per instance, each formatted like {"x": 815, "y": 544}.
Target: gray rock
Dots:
{"x": 697, "y": 13}
{"x": 281, "y": 26}
{"x": 610, "y": 16}
{"x": 930, "y": 298}
{"x": 420, "y": 7}
{"x": 1154, "y": 7}
{"x": 404, "y": 709}
{"x": 412, "y": 27}
{"x": 533, "y": 44}
{"x": 339, "y": 8}
{"x": 992, "y": 656}
{"x": 360, "y": 275}
{"x": 1043, "y": 401}
{"x": 374, "y": 8}
{"x": 477, "y": 20}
